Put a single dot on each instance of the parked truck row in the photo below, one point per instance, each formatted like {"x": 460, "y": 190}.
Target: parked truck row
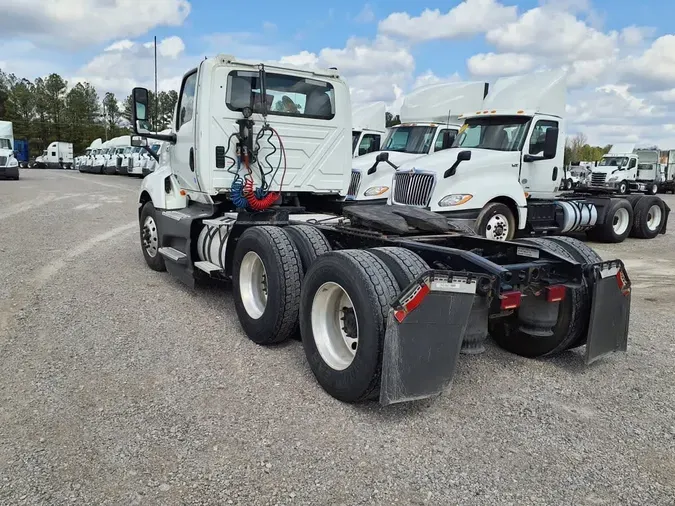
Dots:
{"x": 384, "y": 297}
{"x": 118, "y": 156}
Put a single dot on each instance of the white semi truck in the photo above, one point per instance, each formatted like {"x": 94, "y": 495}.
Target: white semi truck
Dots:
{"x": 9, "y": 164}
{"x": 625, "y": 169}
{"x": 503, "y": 173}
{"x": 113, "y": 158}
{"x": 87, "y": 163}
{"x": 430, "y": 122}
{"x": 368, "y": 128}
{"x": 384, "y": 300}
{"x": 58, "y": 155}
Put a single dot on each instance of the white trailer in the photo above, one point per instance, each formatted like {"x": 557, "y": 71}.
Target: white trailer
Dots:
{"x": 9, "y": 164}
{"x": 503, "y": 174}
{"x": 668, "y": 182}
{"x": 384, "y": 301}
{"x": 430, "y": 122}
{"x": 368, "y": 128}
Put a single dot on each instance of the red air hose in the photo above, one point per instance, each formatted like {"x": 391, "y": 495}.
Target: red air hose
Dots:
{"x": 259, "y": 204}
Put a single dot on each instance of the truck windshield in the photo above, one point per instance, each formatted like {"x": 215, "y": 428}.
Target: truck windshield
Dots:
{"x": 613, "y": 161}
{"x": 497, "y": 133}
{"x": 410, "y": 139}
{"x": 5, "y": 144}
{"x": 355, "y": 139}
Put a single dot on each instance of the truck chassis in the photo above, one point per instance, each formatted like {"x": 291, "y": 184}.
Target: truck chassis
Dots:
{"x": 385, "y": 299}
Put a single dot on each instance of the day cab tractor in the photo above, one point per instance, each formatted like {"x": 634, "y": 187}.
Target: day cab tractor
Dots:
{"x": 502, "y": 175}
{"x": 429, "y": 116}
{"x": 368, "y": 128}
{"x": 383, "y": 303}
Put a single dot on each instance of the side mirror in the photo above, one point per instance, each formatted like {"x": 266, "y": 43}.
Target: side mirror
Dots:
{"x": 138, "y": 141}
{"x": 550, "y": 143}
{"x": 464, "y": 156}
{"x": 382, "y": 157}
{"x": 139, "y": 111}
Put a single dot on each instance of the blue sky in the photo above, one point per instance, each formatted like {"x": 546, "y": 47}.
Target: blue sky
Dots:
{"x": 620, "y": 55}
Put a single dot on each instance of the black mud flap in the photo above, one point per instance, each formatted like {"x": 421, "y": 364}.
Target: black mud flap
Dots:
{"x": 610, "y": 310}
{"x": 425, "y": 329}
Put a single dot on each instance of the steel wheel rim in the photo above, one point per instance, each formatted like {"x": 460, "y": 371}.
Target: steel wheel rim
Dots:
{"x": 253, "y": 284}
{"x": 497, "y": 228}
{"x": 621, "y": 221}
{"x": 335, "y": 326}
{"x": 150, "y": 237}
{"x": 654, "y": 217}
{"x": 622, "y": 188}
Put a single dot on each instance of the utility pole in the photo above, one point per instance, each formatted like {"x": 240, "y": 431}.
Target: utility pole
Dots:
{"x": 156, "y": 96}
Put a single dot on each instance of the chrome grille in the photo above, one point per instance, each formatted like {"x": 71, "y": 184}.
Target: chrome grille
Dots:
{"x": 598, "y": 178}
{"x": 354, "y": 184}
{"x": 413, "y": 188}
{"x": 3, "y": 161}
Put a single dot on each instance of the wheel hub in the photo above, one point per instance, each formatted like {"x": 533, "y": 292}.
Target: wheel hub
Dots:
{"x": 149, "y": 237}
{"x": 335, "y": 326}
{"x": 497, "y": 228}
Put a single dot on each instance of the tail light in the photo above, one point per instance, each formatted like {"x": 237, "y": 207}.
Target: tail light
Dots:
{"x": 510, "y": 300}
{"x": 413, "y": 301}
{"x": 555, "y": 293}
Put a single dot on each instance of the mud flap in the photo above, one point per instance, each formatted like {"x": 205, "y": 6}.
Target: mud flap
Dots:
{"x": 610, "y": 310}
{"x": 425, "y": 329}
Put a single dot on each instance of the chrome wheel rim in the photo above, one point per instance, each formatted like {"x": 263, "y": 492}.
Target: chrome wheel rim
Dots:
{"x": 497, "y": 228}
{"x": 253, "y": 285}
{"x": 335, "y": 326}
{"x": 621, "y": 221}
{"x": 654, "y": 217}
{"x": 150, "y": 237}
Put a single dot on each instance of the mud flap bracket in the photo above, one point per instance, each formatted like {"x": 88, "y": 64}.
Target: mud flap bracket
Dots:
{"x": 425, "y": 328}
{"x": 610, "y": 310}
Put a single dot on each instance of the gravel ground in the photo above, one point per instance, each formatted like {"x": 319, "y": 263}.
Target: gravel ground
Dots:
{"x": 120, "y": 386}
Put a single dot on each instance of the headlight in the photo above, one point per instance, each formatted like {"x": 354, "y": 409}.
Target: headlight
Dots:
{"x": 375, "y": 190}
{"x": 12, "y": 162}
{"x": 613, "y": 178}
{"x": 454, "y": 200}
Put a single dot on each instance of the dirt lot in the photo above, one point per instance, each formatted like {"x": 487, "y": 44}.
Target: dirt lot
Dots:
{"x": 120, "y": 386}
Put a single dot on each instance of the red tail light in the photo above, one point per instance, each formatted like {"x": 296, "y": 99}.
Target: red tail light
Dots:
{"x": 510, "y": 300}
{"x": 555, "y": 293}
{"x": 412, "y": 303}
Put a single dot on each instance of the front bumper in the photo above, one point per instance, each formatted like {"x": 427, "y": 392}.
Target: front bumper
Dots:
{"x": 9, "y": 172}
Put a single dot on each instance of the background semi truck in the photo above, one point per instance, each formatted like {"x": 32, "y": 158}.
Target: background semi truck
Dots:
{"x": 9, "y": 164}
{"x": 368, "y": 128}
{"x": 58, "y": 155}
{"x": 429, "y": 117}
{"x": 625, "y": 169}
{"x": 383, "y": 301}
{"x": 503, "y": 173}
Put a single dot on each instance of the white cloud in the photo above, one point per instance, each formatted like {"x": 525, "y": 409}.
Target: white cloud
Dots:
{"x": 64, "y": 22}
{"x": 553, "y": 33}
{"x": 427, "y": 78}
{"x": 367, "y": 15}
{"x": 503, "y": 64}
{"x": 468, "y": 18}
{"x": 635, "y": 35}
{"x": 126, "y": 64}
{"x": 655, "y": 68}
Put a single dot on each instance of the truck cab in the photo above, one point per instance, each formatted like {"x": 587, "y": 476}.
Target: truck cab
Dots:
{"x": 624, "y": 169}
{"x": 506, "y": 153}
{"x": 9, "y": 163}
{"x": 368, "y": 128}
{"x": 430, "y": 123}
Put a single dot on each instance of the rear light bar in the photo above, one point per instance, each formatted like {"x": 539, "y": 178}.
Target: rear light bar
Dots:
{"x": 412, "y": 302}
{"x": 555, "y": 293}
{"x": 510, "y": 300}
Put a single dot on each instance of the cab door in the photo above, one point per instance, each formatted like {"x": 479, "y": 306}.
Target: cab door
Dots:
{"x": 541, "y": 176}
{"x": 182, "y": 155}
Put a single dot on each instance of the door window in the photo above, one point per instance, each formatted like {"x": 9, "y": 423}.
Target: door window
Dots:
{"x": 632, "y": 163}
{"x": 538, "y": 137}
{"x": 368, "y": 144}
{"x": 187, "y": 99}
{"x": 438, "y": 145}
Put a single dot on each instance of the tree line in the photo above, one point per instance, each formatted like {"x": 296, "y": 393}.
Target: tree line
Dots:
{"x": 48, "y": 109}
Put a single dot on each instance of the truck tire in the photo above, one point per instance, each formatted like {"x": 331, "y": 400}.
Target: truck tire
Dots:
{"x": 649, "y": 213}
{"x": 149, "y": 232}
{"x": 583, "y": 253}
{"x": 652, "y": 189}
{"x": 622, "y": 188}
{"x": 568, "y": 184}
{"x": 344, "y": 305}
{"x": 266, "y": 278}
{"x": 405, "y": 265}
{"x": 572, "y": 321}
{"x": 617, "y": 224}
{"x": 496, "y": 221}
{"x": 309, "y": 241}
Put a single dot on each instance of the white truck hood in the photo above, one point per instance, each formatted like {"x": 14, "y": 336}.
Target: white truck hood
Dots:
{"x": 443, "y": 160}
